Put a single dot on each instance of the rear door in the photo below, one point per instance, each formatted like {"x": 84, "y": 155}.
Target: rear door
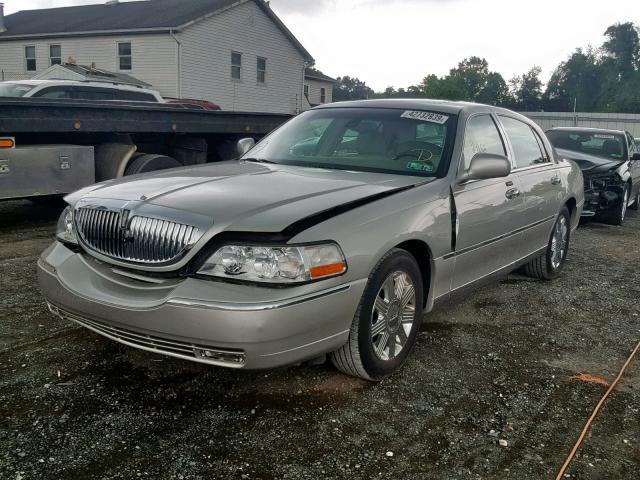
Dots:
{"x": 540, "y": 182}
{"x": 488, "y": 211}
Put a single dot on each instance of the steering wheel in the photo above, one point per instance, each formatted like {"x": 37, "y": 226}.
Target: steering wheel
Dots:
{"x": 421, "y": 151}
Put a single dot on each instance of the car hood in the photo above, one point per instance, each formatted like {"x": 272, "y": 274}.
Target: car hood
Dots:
{"x": 244, "y": 196}
{"x": 589, "y": 163}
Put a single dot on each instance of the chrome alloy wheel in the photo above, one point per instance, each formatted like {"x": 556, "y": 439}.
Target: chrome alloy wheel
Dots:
{"x": 559, "y": 242}
{"x": 393, "y": 315}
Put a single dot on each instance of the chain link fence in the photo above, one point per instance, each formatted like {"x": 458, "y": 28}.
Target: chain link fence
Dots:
{"x": 8, "y": 76}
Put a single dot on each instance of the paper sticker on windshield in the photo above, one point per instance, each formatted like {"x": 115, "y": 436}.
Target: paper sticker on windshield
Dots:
{"x": 604, "y": 137}
{"x": 425, "y": 116}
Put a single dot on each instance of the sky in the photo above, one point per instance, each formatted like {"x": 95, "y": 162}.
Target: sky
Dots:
{"x": 398, "y": 42}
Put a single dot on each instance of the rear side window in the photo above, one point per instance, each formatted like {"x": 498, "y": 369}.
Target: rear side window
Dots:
{"x": 93, "y": 94}
{"x": 54, "y": 92}
{"x": 526, "y": 147}
{"x": 134, "y": 96}
{"x": 482, "y": 136}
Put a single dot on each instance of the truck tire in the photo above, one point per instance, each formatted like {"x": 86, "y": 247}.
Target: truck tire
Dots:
{"x": 150, "y": 162}
{"x": 549, "y": 265}
{"x": 387, "y": 322}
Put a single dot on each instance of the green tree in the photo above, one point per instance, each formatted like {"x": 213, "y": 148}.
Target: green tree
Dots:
{"x": 623, "y": 47}
{"x": 527, "y": 90}
{"x": 348, "y": 88}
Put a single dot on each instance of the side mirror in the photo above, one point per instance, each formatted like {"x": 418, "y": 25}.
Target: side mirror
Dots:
{"x": 486, "y": 165}
{"x": 244, "y": 145}
{"x": 635, "y": 156}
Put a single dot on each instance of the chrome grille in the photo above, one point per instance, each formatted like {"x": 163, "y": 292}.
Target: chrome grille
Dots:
{"x": 137, "y": 239}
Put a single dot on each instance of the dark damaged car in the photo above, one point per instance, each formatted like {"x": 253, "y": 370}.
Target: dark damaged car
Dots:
{"x": 610, "y": 163}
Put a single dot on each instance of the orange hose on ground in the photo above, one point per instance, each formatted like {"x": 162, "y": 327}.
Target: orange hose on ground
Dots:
{"x": 595, "y": 413}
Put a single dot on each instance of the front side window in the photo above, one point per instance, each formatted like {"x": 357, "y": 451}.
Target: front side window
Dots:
{"x": 262, "y": 70}
{"x": 601, "y": 144}
{"x": 125, "y": 56}
{"x": 55, "y": 54}
{"x": 236, "y": 66}
{"x": 323, "y": 95}
{"x": 481, "y": 136}
{"x": 363, "y": 139}
{"x": 30, "y": 58}
{"x": 526, "y": 148}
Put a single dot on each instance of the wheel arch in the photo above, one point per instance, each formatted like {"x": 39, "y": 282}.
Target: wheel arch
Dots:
{"x": 421, "y": 251}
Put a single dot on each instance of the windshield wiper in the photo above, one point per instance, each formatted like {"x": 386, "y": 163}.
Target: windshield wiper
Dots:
{"x": 258, "y": 160}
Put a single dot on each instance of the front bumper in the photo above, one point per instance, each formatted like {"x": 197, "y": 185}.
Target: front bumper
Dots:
{"x": 236, "y": 326}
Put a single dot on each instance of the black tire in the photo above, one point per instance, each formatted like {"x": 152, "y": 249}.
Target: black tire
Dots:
{"x": 636, "y": 202}
{"x": 617, "y": 215}
{"x": 358, "y": 357}
{"x": 545, "y": 266}
{"x": 149, "y": 162}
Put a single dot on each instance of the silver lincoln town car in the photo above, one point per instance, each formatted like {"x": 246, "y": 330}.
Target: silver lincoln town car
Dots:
{"x": 333, "y": 235}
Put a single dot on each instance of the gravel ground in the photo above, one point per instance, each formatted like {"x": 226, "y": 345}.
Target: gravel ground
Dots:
{"x": 494, "y": 366}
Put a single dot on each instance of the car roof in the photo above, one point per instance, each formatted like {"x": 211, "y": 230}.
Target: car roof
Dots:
{"x": 95, "y": 84}
{"x": 587, "y": 130}
{"x": 444, "y": 106}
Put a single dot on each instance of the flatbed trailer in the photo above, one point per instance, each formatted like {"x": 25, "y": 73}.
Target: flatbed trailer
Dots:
{"x": 53, "y": 147}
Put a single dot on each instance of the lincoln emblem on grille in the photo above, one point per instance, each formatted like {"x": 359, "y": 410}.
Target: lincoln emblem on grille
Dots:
{"x": 127, "y": 236}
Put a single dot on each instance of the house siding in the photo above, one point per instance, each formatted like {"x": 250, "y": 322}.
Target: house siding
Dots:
{"x": 154, "y": 57}
{"x": 246, "y": 29}
{"x": 314, "y": 91}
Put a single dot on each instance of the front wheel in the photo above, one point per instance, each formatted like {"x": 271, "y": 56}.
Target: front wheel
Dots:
{"x": 386, "y": 325}
{"x": 636, "y": 202}
{"x": 617, "y": 215}
{"x": 549, "y": 265}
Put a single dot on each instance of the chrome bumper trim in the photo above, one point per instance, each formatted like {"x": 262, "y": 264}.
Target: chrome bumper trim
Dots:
{"x": 257, "y": 307}
{"x": 152, "y": 343}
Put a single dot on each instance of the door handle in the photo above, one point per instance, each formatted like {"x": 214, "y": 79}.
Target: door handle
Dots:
{"x": 556, "y": 181}
{"x": 513, "y": 193}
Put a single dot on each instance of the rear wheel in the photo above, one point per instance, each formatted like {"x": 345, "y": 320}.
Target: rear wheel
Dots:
{"x": 387, "y": 322}
{"x": 549, "y": 265}
{"x": 150, "y": 162}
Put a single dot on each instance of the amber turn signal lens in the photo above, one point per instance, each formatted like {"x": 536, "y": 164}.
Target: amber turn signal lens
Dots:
{"x": 327, "y": 270}
{"x": 7, "y": 143}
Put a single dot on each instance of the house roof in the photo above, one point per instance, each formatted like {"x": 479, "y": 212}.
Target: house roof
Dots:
{"x": 144, "y": 16}
{"x": 314, "y": 74}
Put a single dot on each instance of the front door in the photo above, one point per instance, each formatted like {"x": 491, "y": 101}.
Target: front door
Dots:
{"x": 488, "y": 211}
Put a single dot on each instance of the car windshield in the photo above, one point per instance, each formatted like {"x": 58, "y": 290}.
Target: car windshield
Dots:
{"x": 403, "y": 142}
{"x": 14, "y": 89}
{"x": 605, "y": 145}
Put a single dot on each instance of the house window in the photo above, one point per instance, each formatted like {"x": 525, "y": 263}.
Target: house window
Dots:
{"x": 55, "y": 54}
{"x": 262, "y": 70}
{"x": 30, "y": 58}
{"x": 323, "y": 95}
{"x": 125, "y": 58}
{"x": 306, "y": 91}
{"x": 236, "y": 66}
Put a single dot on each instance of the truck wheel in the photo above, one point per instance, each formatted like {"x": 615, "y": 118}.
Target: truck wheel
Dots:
{"x": 617, "y": 215}
{"x": 387, "y": 322}
{"x": 549, "y": 265}
{"x": 149, "y": 162}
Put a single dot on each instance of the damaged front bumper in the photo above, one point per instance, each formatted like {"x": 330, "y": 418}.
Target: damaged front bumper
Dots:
{"x": 603, "y": 191}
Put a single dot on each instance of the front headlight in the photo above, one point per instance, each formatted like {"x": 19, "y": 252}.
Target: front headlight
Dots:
{"x": 279, "y": 264}
{"x": 66, "y": 231}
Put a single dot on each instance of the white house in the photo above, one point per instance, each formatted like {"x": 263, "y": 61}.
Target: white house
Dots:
{"x": 318, "y": 87}
{"x": 236, "y": 53}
